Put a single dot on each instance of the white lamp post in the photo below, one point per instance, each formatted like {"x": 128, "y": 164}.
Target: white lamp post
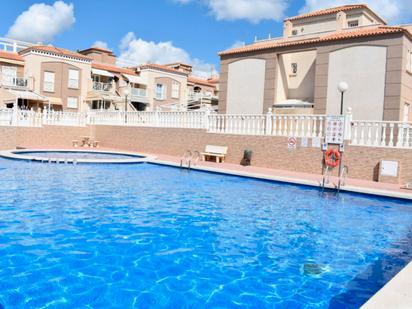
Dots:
{"x": 126, "y": 94}
{"x": 342, "y": 88}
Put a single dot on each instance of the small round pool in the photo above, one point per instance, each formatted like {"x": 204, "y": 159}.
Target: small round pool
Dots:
{"x": 74, "y": 156}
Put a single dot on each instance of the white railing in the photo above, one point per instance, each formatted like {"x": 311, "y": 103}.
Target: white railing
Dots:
{"x": 64, "y": 118}
{"x": 23, "y": 118}
{"x": 193, "y": 120}
{"x": 381, "y": 134}
{"x": 269, "y": 124}
{"x": 102, "y": 86}
{"x": 139, "y": 92}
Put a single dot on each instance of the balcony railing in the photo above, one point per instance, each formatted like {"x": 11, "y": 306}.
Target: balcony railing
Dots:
{"x": 13, "y": 81}
{"x": 196, "y": 96}
{"x": 139, "y": 92}
{"x": 102, "y": 86}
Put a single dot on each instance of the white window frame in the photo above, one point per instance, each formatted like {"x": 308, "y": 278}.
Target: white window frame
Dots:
{"x": 48, "y": 83}
{"x": 73, "y": 79}
{"x": 175, "y": 90}
{"x": 72, "y": 102}
{"x": 8, "y": 75}
{"x": 160, "y": 95}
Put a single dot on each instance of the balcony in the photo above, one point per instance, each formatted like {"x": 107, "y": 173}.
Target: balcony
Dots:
{"x": 139, "y": 92}
{"x": 102, "y": 86}
{"x": 196, "y": 96}
{"x": 10, "y": 81}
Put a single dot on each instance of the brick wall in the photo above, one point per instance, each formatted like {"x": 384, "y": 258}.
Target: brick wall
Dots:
{"x": 268, "y": 151}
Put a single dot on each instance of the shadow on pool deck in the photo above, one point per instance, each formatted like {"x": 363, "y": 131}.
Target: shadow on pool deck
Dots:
{"x": 380, "y": 272}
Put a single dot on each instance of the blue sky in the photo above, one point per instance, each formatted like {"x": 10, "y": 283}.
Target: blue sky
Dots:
{"x": 162, "y": 30}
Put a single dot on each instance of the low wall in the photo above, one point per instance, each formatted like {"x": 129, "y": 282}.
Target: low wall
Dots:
{"x": 268, "y": 151}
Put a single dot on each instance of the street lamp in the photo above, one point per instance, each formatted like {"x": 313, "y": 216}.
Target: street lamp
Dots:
{"x": 342, "y": 88}
{"x": 126, "y": 94}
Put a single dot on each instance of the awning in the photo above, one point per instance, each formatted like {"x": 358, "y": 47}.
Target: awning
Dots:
{"x": 55, "y": 101}
{"x": 102, "y": 72}
{"x": 134, "y": 79}
{"x": 10, "y": 95}
{"x": 100, "y": 95}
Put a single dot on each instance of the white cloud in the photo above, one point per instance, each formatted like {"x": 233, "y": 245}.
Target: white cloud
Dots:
{"x": 251, "y": 10}
{"x": 391, "y": 10}
{"x": 237, "y": 44}
{"x": 101, "y": 44}
{"x": 136, "y": 51}
{"x": 42, "y": 22}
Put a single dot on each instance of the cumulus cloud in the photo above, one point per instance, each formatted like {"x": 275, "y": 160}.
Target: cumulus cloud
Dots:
{"x": 42, "y": 22}
{"x": 391, "y": 10}
{"x": 101, "y": 44}
{"x": 136, "y": 51}
{"x": 253, "y": 11}
{"x": 237, "y": 44}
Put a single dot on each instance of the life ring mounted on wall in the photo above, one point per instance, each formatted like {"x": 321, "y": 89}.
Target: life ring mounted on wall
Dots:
{"x": 332, "y": 158}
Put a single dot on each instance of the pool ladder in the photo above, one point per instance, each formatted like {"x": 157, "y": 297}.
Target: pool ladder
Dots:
{"x": 341, "y": 181}
{"x": 188, "y": 158}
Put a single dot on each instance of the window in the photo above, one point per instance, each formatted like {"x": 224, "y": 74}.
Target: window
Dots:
{"x": 295, "y": 32}
{"x": 73, "y": 79}
{"x": 353, "y": 23}
{"x": 294, "y": 68}
{"x": 71, "y": 102}
{"x": 175, "y": 90}
{"x": 48, "y": 83}
{"x": 160, "y": 92}
{"x": 409, "y": 61}
{"x": 9, "y": 74}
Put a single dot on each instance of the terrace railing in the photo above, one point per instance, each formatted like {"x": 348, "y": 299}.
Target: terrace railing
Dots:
{"x": 393, "y": 134}
{"x": 381, "y": 134}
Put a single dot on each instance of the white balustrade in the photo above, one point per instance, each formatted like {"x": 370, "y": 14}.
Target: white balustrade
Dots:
{"x": 381, "y": 134}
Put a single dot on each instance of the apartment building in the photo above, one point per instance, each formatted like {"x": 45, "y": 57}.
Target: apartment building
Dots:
{"x": 16, "y": 86}
{"x": 60, "y": 75}
{"x": 300, "y": 72}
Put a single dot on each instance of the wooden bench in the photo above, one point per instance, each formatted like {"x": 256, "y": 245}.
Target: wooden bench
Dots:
{"x": 217, "y": 152}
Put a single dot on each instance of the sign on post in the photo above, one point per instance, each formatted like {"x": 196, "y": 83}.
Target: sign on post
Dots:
{"x": 335, "y": 129}
{"x": 292, "y": 142}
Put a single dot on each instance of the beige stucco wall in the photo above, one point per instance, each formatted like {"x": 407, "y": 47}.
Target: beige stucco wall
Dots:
{"x": 406, "y": 81}
{"x": 300, "y": 85}
{"x": 363, "y": 68}
{"x": 36, "y": 64}
{"x": 245, "y": 89}
{"x": 152, "y": 77}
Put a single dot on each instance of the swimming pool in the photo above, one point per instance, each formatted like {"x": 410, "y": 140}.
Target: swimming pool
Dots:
{"x": 154, "y": 236}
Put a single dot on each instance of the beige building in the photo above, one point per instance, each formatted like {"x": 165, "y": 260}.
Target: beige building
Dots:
{"x": 300, "y": 72}
{"x": 16, "y": 86}
{"x": 60, "y": 75}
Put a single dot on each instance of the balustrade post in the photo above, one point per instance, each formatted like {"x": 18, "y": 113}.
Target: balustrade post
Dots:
{"x": 268, "y": 122}
{"x": 348, "y": 124}
{"x": 206, "y": 123}
{"x": 156, "y": 117}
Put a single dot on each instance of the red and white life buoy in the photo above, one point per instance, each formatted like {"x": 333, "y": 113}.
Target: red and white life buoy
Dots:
{"x": 332, "y": 158}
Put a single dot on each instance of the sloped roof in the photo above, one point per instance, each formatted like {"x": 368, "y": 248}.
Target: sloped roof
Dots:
{"x": 112, "y": 68}
{"x": 161, "y": 67}
{"x": 328, "y": 11}
{"x": 11, "y": 56}
{"x": 200, "y": 81}
{"x": 55, "y": 50}
{"x": 335, "y": 36}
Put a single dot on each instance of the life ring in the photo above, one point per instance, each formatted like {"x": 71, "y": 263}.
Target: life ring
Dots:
{"x": 332, "y": 157}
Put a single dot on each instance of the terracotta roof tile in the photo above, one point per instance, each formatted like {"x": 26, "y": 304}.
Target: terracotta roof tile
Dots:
{"x": 112, "y": 68}
{"x": 335, "y": 36}
{"x": 334, "y": 10}
{"x": 161, "y": 67}
{"x": 55, "y": 50}
{"x": 11, "y": 56}
{"x": 200, "y": 81}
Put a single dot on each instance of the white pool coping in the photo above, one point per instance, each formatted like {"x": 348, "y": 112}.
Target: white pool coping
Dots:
{"x": 396, "y": 294}
{"x": 19, "y": 154}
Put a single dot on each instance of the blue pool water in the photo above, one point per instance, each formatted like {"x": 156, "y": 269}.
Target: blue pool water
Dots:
{"x": 78, "y": 155}
{"x": 148, "y": 236}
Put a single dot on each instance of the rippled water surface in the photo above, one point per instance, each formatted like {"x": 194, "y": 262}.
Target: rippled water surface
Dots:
{"x": 147, "y": 236}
